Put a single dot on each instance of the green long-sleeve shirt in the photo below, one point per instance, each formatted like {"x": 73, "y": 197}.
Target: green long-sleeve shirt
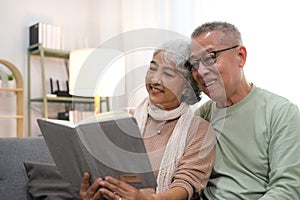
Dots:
{"x": 257, "y": 149}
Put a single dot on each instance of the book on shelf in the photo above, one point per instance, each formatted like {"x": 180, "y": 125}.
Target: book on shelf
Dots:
{"x": 107, "y": 144}
{"x": 35, "y": 34}
{"x": 49, "y": 35}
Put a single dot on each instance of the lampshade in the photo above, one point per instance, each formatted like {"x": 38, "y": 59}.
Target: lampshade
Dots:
{"x": 97, "y": 71}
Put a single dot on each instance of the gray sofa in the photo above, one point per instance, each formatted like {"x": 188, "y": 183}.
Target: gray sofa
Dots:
{"x": 13, "y": 153}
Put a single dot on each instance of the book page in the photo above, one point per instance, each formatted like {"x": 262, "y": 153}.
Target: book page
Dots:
{"x": 60, "y": 122}
{"x": 106, "y": 116}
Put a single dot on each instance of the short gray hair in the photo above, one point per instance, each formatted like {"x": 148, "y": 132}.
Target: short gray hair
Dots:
{"x": 232, "y": 34}
{"x": 177, "y": 52}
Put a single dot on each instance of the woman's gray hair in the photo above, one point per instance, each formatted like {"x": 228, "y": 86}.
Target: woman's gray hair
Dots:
{"x": 177, "y": 52}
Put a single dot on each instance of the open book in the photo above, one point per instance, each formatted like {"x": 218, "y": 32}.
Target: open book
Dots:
{"x": 105, "y": 144}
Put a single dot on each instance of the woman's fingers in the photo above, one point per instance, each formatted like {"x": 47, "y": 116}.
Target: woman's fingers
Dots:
{"x": 108, "y": 194}
{"x": 85, "y": 183}
{"x": 88, "y": 191}
{"x": 114, "y": 189}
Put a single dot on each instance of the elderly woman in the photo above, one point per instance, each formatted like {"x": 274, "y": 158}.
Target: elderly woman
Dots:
{"x": 180, "y": 145}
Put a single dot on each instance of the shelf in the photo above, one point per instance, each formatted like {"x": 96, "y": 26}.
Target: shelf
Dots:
{"x": 12, "y": 89}
{"x": 37, "y": 49}
{"x": 46, "y": 99}
{"x": 65, "y": 99}
{"x": 11, "y": 117}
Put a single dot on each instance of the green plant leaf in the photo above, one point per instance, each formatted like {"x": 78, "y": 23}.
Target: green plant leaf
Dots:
{"x": 10, "y": 77}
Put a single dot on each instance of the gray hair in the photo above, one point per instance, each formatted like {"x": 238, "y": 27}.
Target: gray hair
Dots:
{"x": 231, "y": 34}
{"x": 177, "y": 52}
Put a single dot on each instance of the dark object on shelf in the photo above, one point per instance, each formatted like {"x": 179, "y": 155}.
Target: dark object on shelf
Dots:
{"x": 35, "y": 34}
{"x": 63, "y": 115}
{"x": 58, "y": 92}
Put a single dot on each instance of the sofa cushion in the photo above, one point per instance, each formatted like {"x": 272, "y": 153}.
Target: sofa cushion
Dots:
{"x": 45, "y": 182}
{"x": 13, "y": 153}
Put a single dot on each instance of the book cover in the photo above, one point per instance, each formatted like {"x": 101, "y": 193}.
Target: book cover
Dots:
{"x": 105, "y": 144}
{"x": 35, "y": 34}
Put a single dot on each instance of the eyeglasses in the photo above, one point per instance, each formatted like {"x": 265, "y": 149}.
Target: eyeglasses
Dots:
{"x": 209, "y": 59}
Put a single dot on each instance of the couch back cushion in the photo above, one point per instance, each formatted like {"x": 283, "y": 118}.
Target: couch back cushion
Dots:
{"x": 13, "y": 153}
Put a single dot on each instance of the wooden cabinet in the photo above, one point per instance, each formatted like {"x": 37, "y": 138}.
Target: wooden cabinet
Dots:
{"x": 19, "y": 91}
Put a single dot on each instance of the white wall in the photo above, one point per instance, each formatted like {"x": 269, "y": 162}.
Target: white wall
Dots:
{"x": 16, "y": 17}
{"x": 269, "y": 30}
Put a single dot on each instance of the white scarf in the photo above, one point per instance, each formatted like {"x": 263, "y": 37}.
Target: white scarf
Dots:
{"x": 176, "y": 144}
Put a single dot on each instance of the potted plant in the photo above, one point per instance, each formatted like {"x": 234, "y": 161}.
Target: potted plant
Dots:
{"x": 10, "y": 78}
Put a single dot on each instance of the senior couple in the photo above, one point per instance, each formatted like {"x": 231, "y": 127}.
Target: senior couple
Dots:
{"x": 241, "y": 144}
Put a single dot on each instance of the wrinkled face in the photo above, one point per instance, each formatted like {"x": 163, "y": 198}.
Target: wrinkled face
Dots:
{"x": 164, "y": 83}
{"x": 218, "y": 73}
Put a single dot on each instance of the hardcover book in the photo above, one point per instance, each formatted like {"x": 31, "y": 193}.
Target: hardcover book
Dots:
{"x": 106, "y": 144}
{"x": 35, "y": 34}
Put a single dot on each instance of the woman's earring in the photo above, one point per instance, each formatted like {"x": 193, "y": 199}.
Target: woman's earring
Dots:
{"x": 184, "y": 91}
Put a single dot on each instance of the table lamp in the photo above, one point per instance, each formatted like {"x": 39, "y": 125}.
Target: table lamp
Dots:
{"x": 97, "y": 72}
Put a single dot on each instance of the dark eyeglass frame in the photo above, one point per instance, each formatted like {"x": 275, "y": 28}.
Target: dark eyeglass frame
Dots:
{"x": 204, "y": 62}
